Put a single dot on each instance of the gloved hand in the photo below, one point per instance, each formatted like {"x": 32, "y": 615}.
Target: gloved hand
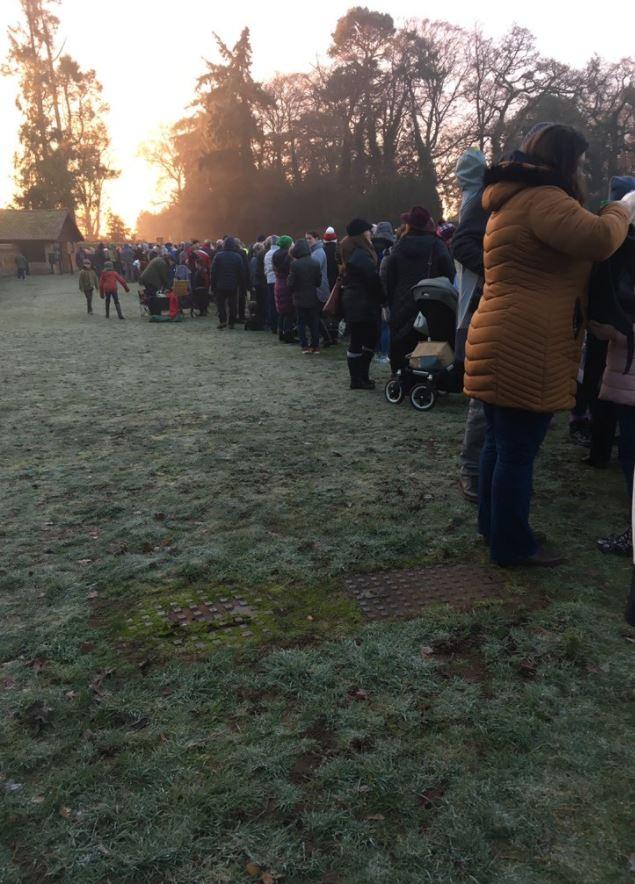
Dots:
{"x": 628, "y": 201}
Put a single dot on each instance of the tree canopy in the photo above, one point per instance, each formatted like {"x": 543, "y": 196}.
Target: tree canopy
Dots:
{"x": 62, "y": 160}
{"x": 377, "y": 129}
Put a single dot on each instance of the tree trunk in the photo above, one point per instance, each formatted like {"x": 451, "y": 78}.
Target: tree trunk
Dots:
{"x": 427, "y": 172}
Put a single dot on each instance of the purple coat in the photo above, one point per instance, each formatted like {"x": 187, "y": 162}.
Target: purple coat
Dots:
{"x": 283, "y": 297}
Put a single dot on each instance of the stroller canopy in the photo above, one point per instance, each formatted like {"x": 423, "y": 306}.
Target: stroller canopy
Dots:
{"x": 440, "y": 289}
{"x": 437, "y": 300}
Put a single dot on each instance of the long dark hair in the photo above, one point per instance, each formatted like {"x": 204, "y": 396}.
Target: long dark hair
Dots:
{"x": 348, "y": 246}
{"x": 559, "y": 147}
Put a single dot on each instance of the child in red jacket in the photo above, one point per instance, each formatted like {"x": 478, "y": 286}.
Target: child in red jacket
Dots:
{"x": 108, "y": 282}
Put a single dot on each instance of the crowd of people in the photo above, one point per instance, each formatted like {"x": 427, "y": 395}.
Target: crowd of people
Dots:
{"x": 546, "y": 307}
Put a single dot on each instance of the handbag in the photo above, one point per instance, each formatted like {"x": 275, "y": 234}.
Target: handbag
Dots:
{"x": 333, "y": 306}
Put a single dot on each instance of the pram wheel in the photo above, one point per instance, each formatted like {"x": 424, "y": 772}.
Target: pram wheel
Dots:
{"x": 422, "y": 397}
{"x": 394, "y": 392}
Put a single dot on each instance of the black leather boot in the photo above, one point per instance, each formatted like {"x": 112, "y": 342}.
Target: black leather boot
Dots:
{"x": 356, "y": 370}
{"x": 367, "y": 358}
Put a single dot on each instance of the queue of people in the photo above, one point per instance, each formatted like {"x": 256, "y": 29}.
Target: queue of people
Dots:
{"x": 521, "y": 258}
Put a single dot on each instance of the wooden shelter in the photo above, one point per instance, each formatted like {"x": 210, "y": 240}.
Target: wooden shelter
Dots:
{"x": 40, "y": 233}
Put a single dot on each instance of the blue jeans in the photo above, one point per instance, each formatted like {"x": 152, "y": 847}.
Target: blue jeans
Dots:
{"x": 309, "y": 316}
{"x": 512, "y": 440}
{"x": 383, "y": 344}
{"x": 626, "y": 423}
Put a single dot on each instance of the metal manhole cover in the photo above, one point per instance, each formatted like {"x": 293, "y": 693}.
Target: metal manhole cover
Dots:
{"x": 404, "y": 593}
{"x": 203, "y": 620}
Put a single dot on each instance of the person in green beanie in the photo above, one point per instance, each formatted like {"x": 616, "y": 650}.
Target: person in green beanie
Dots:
{"x": 284, "y": 300}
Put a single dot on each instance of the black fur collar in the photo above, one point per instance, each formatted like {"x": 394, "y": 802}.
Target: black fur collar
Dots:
{"x": 523, "y": 169}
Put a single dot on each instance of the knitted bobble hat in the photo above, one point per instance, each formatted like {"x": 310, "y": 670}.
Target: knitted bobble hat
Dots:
{"x": 358, "y": 226}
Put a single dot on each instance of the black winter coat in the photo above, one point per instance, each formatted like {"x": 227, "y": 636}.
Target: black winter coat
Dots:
{"x": 406, "y": 265}
{"x": 229, "y": 273}
{"x": 361, "y": 288}
{"x": 304, "y": 279}
{"x": 467, "y": 242}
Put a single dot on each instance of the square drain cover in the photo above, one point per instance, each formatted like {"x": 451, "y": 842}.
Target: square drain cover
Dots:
{"x": 404, "y": 593}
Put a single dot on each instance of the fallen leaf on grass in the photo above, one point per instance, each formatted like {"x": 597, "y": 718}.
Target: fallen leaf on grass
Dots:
{"x": 96, "y": 683}
{"x": 379, "y": 817}
{"x": 528, "y": 668}
{"x": 38, "y": 799}
{"x": 37, "y": 664}
{"x": 139, "y": 725}
{"x": 358, "y": 694}
{"x": 253, "y": 869}
{"x": 627, "y": 638}
{"x": 37, "y": 716}
{"x": 267, "y": 878}
{"x": 65, "y": 812}
{"x": 9, "y": 683}
{"x": 631, "y": 863}
{"x": 71, "y": 695}
{"x": 93, "y": 595}
{"x": 85, "y": 561}
{"x": 427, "y": 651}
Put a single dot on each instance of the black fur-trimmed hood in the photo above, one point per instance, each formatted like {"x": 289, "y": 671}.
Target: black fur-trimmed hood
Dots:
{"x": 518, "y": 168}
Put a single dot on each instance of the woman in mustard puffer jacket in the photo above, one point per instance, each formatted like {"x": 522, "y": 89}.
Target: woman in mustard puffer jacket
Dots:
{"x": 525, "y": 338}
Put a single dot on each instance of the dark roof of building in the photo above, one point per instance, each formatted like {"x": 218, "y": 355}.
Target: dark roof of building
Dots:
{"x": 17, "y": 225}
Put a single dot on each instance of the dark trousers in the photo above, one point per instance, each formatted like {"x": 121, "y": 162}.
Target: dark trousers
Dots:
{"x": 261, "y": 293}
{"x": 272, "y": 313}
{"x": 285, "y": 325}
{"x": 242, "y": 302}
{"x": 512, "y": 440}
{"x": 603, "y": 424}
{"x": 89, "y": 299}
{"x": 115, "y": 299}
{"x": 226, "y": 301}
{"x": 21, "y": 272}
{"x": 309, "y": 317}
{"x": 603, "y": 415}
{"x": 363, "y": 337}
{"x": 626, "y": 423}
{"x": 400, "y": 348}
{"x": 200, "y": 300}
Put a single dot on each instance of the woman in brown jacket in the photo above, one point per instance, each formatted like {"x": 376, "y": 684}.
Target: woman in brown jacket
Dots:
{"x": 525, "y": 338}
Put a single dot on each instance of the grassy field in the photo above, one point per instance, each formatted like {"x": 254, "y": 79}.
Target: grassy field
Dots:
{"x": 147, "y": 469}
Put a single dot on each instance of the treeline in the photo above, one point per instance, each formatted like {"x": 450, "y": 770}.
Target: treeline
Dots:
{"x": 376, "y": 129}
{"x": 64, "y": 142}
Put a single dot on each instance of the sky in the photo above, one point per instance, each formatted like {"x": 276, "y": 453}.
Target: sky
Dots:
{"x": 148, "y": 54}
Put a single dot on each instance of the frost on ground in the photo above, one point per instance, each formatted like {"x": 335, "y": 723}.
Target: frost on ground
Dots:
{"x": 190, "y": 688}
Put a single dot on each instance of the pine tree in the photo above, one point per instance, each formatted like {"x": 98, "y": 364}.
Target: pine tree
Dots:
{"x": 116, "y": 228}
{"x": 63, "y": 140}
{"x": 229, "y": 98}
